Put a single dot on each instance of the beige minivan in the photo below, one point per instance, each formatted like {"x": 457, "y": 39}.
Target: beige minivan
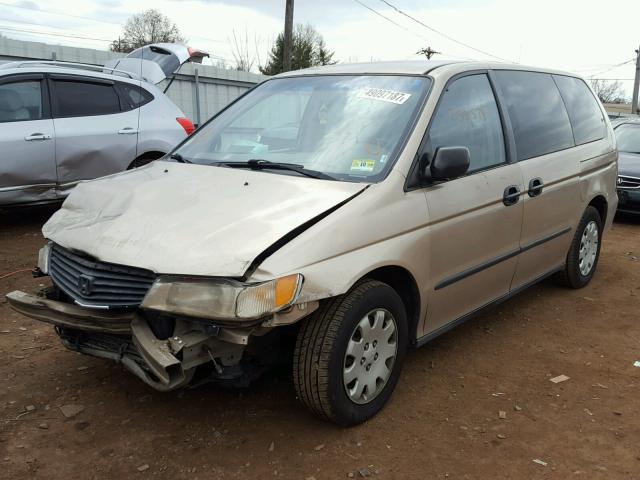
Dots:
{"x": 333, "y": 218}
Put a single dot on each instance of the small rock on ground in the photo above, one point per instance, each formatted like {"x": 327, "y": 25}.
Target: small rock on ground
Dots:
{"x": 71, "y": 410}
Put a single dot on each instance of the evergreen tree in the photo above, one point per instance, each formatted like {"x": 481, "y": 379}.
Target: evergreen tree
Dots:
{"x": 309, "y": 50}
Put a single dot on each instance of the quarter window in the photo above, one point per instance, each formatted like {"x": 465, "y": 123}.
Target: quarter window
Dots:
{"x": 584, "y": 112}
{"x": 21, "y": 101}
{"x": 538, "y": 116}
{"x": 80, "y": 99}
{"x": 135, "y": 95}
{"x": 468, "y": 116}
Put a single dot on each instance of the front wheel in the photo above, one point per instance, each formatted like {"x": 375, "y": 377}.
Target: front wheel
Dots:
{"x": 348, "y": 357}
{"x": 584, "y": 252}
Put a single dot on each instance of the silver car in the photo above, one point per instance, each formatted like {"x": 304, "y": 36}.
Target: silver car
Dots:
{"x": 64, "y": 123}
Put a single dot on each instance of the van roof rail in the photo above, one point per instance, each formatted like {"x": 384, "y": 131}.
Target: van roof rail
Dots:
{"x": 80, "y": 66}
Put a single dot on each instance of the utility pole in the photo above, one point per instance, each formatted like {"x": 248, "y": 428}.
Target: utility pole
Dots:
{"x": 636, "y": 85}
{"x": 288, "y": 36}
{"x": 427, "y": 52}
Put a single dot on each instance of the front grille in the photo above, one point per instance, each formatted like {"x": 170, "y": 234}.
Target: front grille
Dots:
{"x": 98, "y": 284}
{"x": 630, "y": 183}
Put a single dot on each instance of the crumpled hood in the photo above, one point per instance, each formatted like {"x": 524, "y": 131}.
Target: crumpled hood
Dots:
{"x": 189, "y": 219}
{"x": 629, "y": 164}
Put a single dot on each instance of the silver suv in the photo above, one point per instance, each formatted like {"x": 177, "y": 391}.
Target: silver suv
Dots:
{"x": 63, "y": 123}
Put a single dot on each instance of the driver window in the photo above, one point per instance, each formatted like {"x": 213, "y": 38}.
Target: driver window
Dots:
{"x": 468, "y": 116}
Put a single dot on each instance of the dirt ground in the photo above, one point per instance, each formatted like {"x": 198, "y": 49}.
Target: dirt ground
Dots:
{"x": 442, "y": 422}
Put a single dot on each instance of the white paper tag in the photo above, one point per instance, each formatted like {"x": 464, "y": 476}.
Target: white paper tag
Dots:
{"x": 390, "y": 96}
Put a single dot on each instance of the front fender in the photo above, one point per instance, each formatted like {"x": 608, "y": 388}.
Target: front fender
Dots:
{"x": 383, "y": 226}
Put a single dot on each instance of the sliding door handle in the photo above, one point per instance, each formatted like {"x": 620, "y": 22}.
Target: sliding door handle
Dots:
{"x": 511, "y": 195}
{"x": 535, "y": 187}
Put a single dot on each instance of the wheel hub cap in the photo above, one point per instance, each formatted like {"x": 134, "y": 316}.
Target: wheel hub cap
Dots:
{"x": 588, "y": 248}
{"x": 371, "y": 353}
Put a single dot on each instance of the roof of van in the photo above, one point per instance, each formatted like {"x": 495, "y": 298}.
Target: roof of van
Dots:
{"x": 411, "y": 67}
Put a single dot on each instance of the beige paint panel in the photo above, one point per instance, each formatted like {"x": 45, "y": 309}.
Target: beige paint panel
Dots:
{"x": 470, "y": 226}
{"x": 554, "y": 210}
{"x": 382, "y": 226}
{"x": 559, "y": 207}
{"x": 177, "y": 218}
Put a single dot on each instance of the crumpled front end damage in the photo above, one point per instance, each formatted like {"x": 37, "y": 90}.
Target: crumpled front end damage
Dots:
{"x": 154, "y": 268}
{"x": 142, "y": 343}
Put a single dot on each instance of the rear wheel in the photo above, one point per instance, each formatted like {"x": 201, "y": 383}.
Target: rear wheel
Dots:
{"x": 348, "y": 357}
{"x": 584, "y": 252}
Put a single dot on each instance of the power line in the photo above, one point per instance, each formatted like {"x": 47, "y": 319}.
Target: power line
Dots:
{"x": 24, "y": 22}
{"x": 387, "y": 18}
{"x": 405, "y": 29}
{"x": 36, "y": 32}
{"x": 53, "y": 34}
{"x": 58, "y": 13}
{"x": 611, "y": 67}
{"x": 84, "y": 18}
{"x": 444, "y": 34}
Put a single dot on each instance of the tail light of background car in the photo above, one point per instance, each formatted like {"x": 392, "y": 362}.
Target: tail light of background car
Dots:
{"x": 186, "y": 124}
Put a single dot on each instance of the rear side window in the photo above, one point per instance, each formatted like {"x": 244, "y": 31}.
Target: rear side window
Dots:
{"x": 135, "y": 96}
{"x": 538, "y": 115}
{"x": 468, "y": 116}
{"x": 21, "y": 101}
{"x": 79, "y": 99}
{"x": 584, "y": 112}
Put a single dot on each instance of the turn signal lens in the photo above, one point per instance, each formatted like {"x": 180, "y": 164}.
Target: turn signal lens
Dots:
{"x": 286, "y": 289}
{"x": 268, "y": 297}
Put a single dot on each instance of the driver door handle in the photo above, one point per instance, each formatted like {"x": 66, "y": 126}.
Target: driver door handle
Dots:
{"x": 127, "y": 131}
{"x": 37, "y": 136}
{"x": 511, "y": 195}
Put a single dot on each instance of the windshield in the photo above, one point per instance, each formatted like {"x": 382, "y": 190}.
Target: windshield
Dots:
{"x": 628, "y": 138}
{"x": 349, "y": 127}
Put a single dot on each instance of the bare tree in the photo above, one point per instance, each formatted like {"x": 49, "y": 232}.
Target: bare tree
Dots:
{"x": 608, "y": 91}
{"x": 150, "y": 26}
{"x": 243, "y": 57}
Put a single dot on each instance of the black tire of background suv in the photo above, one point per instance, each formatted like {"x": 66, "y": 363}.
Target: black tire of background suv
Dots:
{"x": 572, "y": 277}
{"x": 321, "y": 345}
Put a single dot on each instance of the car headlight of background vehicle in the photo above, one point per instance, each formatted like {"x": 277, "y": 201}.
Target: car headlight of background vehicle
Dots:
{"x": 220, "y": 299}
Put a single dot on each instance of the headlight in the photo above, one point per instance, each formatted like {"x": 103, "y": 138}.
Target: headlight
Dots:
{"x": 222, "y": 299}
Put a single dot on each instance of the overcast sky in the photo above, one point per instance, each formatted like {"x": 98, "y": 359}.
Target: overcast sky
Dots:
{"x": 588, "y": 37}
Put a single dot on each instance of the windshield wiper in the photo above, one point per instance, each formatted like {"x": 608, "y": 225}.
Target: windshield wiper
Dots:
{"x": 179, "y": 158}
{"x": 260, "y": 164}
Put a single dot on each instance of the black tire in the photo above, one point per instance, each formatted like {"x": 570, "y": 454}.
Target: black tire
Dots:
{"x": 144, "y": 159}
{"x": 572, "y": 276}
{"x": 320, "y": 350}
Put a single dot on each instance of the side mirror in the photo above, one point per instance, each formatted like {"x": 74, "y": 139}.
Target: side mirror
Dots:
{"x": 450, "y": 162}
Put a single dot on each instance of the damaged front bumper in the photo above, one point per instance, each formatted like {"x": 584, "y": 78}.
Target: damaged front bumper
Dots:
{"x": 127, "y": 337}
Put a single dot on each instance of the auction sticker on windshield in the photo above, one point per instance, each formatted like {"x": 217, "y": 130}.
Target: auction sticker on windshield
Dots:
{"x": 384, "y": 95}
